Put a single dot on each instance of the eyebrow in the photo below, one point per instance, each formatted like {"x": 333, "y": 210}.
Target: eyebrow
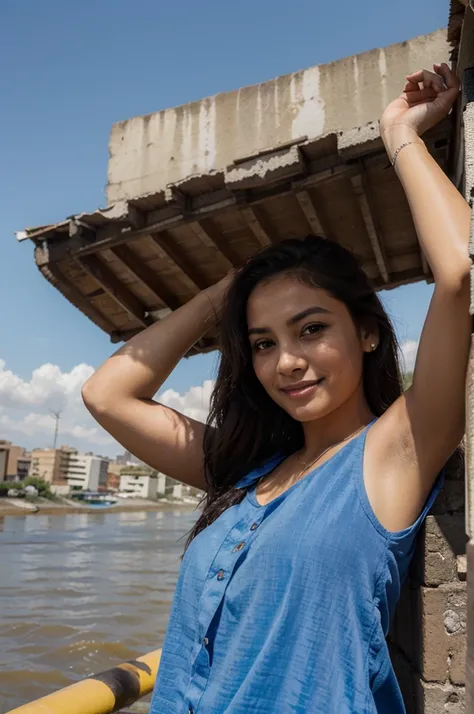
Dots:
{"x": 293, "y": 320}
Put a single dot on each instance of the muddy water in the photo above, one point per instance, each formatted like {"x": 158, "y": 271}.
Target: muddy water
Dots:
{"x": 81, "y": 592}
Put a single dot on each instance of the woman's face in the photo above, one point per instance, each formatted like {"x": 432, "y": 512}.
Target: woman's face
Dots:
{"x": 307, "y": 351}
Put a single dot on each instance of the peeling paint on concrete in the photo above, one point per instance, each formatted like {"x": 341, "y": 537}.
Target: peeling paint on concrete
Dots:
{"x": 358, "y": 91}
{"x": 309, "y": 119}
{"x": 149, "y": 153}
{"x": 383, "y": 75}
{"x": 207, "y": 132}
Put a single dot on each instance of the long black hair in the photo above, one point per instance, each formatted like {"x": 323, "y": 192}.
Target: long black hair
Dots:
{"x": 245, "y": 427}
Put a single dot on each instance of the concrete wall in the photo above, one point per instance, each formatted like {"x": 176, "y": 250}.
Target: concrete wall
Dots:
{"x": 149, "y": 152}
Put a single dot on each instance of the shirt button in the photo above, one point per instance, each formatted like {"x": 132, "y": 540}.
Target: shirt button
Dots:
{"x": 220, "y": 575}
{"x": 206, "y": 641}
{"x": 238, "y": 547}
{"x": 254, "y": 526}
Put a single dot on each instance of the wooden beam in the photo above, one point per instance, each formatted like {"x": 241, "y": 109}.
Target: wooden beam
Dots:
{"x": 164, "y": 242}
{"x": 402, "y": 277}
{"x": 113, "y": 287}
{"x": 123, "y": 335}
{"x": 78, "y": 229}
{"x": 146, "y": 276}
{"x": 333, "y": 173}
{"x": 210, "y": 237}
{"x": 255, "y": 224}
{"x": 54, "y": 275}
{"x": 360, "y": 189}
{"x": 135, "y": 217}
{"x": 171, "y": 216}
{"x": 309, "y": 210}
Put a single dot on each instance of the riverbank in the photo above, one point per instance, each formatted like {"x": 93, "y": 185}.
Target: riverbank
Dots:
{"x": 42, "y": 506}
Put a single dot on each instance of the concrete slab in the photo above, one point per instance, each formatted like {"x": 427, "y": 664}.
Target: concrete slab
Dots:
{"x": 201, "y": 138}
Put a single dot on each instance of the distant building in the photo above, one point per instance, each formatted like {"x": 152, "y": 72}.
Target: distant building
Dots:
{"x": 86, "y": 472}
{"x": 144, "y": 482}
{"x": 51, "y": 465}
{"x": 172, "y": 489}
{"x": 15, "y": 462}
{"x": 128, "y": 459}
{"x": 123, "y": 459}
{"x": 161, "y": 482}
{"x": 113, "y": 475}
{"x": 139, "y": 485}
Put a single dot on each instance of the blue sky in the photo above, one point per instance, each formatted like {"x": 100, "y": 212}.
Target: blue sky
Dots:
{"x": 72, "y": 69}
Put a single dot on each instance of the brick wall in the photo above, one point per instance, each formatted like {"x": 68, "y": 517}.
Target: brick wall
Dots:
{"x": 428, "y": 638}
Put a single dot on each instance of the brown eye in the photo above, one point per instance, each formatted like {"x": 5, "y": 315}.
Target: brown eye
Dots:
{"x": 262, "y": 345}
{"x": 313, "y": 329}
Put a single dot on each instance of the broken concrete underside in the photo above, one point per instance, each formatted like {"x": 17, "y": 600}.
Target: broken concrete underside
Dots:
{"x": 194, "y": 191}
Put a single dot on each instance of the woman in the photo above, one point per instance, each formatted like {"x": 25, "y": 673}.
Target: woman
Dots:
{"x": 318, "y": 469}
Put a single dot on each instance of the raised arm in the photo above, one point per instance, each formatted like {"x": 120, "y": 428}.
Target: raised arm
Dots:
{"x": 120, "y": 393}
{"x": 412, "y": 441}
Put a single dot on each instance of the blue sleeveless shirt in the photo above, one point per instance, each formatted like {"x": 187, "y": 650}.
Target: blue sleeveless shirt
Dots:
{"x": 285, "y": 607}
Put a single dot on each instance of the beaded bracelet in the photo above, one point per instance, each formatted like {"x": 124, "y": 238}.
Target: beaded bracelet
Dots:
{"x": 395, "y": 156}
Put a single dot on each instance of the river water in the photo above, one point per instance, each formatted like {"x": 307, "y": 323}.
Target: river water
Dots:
{"x": 82, "y": 592}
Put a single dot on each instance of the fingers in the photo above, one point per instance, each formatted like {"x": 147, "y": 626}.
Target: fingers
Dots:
{"x": 450, "y": 79}
{"x": 417, "y": 96}
{"x": 427, "y": 79}
{"x": 440, "y": 80}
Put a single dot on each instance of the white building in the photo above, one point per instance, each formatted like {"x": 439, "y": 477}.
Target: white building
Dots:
{"x": 162, "y": 484}
{"x": 138, "y": 485}
{"x": 86, "y": 472}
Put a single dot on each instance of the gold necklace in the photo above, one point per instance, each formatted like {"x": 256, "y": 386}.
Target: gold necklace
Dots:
{"x": 310, "y": 463}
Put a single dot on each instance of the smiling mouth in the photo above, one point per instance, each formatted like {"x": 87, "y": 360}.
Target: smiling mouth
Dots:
{"x": 302, "y": 390}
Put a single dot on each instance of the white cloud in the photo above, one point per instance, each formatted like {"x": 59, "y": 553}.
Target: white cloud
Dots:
{"x": 26, "y": 406}
{"x": 48, "y": 388}
{"x": 409, "y": 349}
{"x": 194, "y": 403}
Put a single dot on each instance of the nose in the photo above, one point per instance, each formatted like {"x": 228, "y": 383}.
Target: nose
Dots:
{"x": 289, "y": 362}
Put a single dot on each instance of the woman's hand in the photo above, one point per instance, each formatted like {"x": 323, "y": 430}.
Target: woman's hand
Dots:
{"x": 426, "y": 100}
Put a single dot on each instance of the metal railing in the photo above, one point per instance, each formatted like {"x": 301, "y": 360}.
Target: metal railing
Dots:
{"x": 102, "y": 693}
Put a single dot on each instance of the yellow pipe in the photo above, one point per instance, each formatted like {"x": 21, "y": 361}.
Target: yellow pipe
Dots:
{"x": 103, "y": 693}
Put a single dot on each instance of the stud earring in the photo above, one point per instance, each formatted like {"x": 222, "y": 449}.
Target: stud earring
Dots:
{"x": 373, "y": 346}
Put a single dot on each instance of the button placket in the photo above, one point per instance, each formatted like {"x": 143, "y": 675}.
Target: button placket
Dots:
{"x": 218, "y": 578}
